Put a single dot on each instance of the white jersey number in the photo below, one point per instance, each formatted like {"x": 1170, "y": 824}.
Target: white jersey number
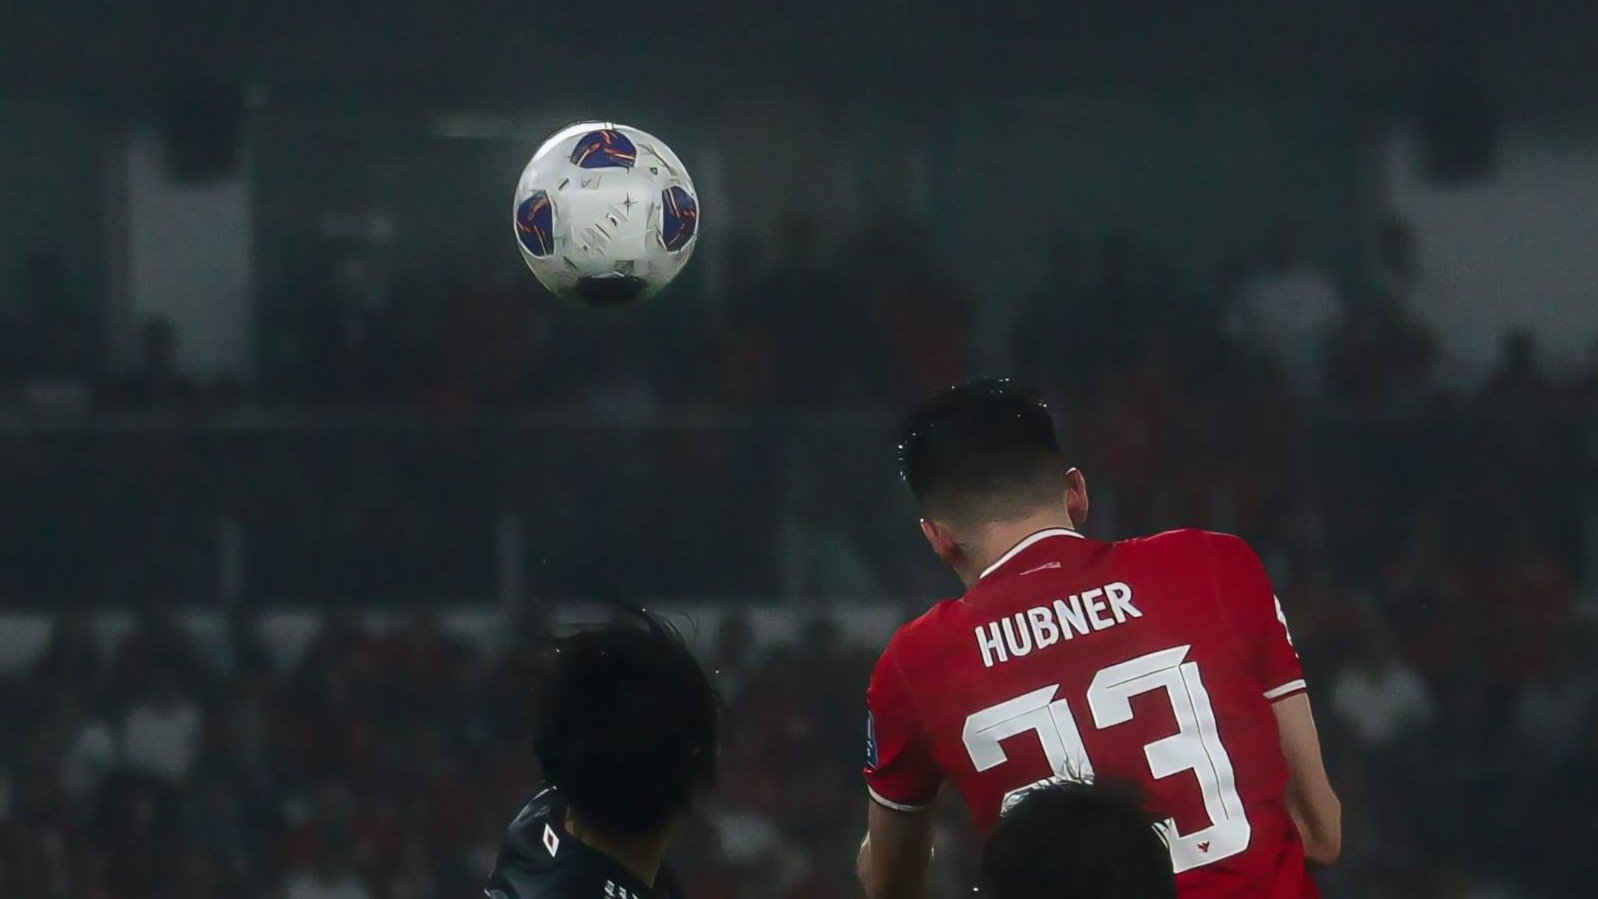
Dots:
{"x": 1196, "y": 745}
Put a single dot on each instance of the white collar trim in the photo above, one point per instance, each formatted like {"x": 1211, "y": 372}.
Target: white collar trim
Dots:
{"x": 1024, "y": 545}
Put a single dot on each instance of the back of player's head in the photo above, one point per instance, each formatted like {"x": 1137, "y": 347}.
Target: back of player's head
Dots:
{"x": 1076, "y": 840}
{"x": 981, "y": 451}
{"x": 624, "y": 725}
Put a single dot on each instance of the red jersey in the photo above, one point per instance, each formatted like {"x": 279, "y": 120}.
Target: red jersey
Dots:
{"x": 1153, "y": 661}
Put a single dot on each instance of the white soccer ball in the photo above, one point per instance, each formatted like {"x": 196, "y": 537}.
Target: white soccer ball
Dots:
{"x": 605, "y": 214}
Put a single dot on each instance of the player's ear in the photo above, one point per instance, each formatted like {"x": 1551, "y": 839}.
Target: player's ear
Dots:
{"x": 942, "y": 541}
{"x": 1076, "y": 497}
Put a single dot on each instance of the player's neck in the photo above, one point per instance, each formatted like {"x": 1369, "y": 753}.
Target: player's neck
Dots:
{"x": 1000, "y": 537}
{"x": 641, "y": 855}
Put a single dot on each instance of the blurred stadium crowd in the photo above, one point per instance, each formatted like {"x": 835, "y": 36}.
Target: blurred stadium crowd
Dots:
{"x": 1430, "y": 540}
{"x": 358, "y": 330}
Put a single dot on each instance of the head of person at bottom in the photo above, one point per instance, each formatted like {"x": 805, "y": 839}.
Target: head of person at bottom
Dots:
{"x": 1073, "y": 839}
{"x": 625, "y": 729}
{"x": 985, "y": 467}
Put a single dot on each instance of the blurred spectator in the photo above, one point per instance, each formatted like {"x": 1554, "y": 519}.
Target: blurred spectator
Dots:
{"x": 734, "y": 656}
{"x": 798, "y": 302}
{"x": 1048, "y": 324}
{"x": 489, "y": 338}
{"x": 88, "y": 749}
{"x": 1558, "y": 854}
{"x": 157, "y": 649}
{"x": 1518, "y": 376}
{"x": 245, "y": 650}
{"x": 748, "y": 375}
{"x": 417, "y": 877}
{"x": 220, "y": 833}
{"x": 1378, "y": 354}
{"x": 332, "y": 876}
{"x": 161, "y": 734}
{"x": 1583, "y": 388}
{"x": 622, "y": 384}
{"x": 139, "y": 825}
{"x": 1387, "y": 708}
{"x": 1383, "y": 701}
{"x": 920, "y": 312}
{"x": 73, "y": 658}
{"x": 361, "y": 341}
{"x": 1112, "y": 315}
{"x": 44, "y": 348}
{"x": 156, "y": 382}
{"x": 34, "y": 853}
{"x": 1559, "y": 693}
{"x": 1287, "y": 309}
{"x": 1397, "y": 272}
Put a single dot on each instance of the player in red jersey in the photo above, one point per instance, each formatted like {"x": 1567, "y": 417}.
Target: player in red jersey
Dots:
{"x": 1164, "y": 661}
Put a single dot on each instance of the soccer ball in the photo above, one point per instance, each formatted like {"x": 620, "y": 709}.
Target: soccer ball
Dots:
{"x": 605, "y": 214}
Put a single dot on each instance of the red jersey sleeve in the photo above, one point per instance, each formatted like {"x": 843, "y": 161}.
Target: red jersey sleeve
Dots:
{"x": 1255, "y": 612}
{"x": 900, "y": 772}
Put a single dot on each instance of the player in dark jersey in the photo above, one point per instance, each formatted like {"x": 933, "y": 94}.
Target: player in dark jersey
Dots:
{"x": 1164, "y": 661}
{"x": 624, "y": 726}
{"x": 1074, "y": 839}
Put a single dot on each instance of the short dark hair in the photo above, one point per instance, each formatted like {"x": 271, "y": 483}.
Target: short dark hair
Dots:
{"x": 981, "y": 451}
{"x": 624, "y": 725}
{"x": 1077, "y": 840}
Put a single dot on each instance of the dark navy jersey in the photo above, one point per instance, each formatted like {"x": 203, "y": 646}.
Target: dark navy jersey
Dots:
{"x": 540, "y": 860}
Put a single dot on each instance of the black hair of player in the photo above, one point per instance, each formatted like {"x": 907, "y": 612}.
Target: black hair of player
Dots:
{"x": 981, "y": 451}
{"x": 1077, "y": 840}
{"x": 625, "y": 725}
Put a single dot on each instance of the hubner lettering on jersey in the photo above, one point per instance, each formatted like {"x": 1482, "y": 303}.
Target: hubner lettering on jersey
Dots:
{"x": 1040, "y": 627}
